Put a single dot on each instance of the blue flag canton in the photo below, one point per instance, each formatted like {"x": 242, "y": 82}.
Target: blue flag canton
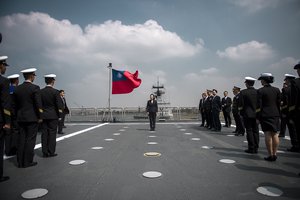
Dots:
{"x": 118, "y": 75}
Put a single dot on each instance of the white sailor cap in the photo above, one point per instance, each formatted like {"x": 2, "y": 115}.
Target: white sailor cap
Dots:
{"x": 3, "y": 60}
{"x": 290, "y": 76}
{"x": 27, "y": 71}
{"x": 248, "y": 78}
{"x": 13, "y": 76}
{"x": 297, "y": 66}
{"x": 50, "y": 76}
{"x": 265, "y": 75}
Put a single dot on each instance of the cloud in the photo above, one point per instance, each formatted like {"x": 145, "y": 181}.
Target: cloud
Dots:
{"x": 79, "y": 56}
{"x": 245, "y": 52}
{"x": 254, "y": 5}
{"x": 62, "y": 41}
{"x": 284, "y": 63}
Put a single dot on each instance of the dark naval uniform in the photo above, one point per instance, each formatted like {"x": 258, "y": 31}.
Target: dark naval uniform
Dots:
{"x": 11, "y": 139}
{"x": 240, "y": 129}
{"x": 248, "y": 107}
{"x": 53, "y": 110}
{"x": 226, "y": 108}
{"x": 286, "y": 119}
{"x": 294, "y": 106}
{"x": 5, "y": 118}
{"x": 269, "y": 108}
{"x": 29, "y": 109}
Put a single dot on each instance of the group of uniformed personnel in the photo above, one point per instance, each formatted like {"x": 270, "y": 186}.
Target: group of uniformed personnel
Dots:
{"x": 25, "y": 108}
{"x": 266, "y": 106}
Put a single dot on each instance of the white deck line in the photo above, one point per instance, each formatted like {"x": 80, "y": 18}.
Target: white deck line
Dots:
{"x": 37, "y": 146}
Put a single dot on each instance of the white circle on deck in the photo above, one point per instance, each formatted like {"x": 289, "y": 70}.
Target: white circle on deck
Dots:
{"x": 109, "y": 139}
{"x": 245, "y": 141}
{"x": 125, "y": 127}
{"x": 279, "y": 151}
{"x": 76, "y": 162}
{"x": 182, "y": 129}
{"x": 152, "y": 142}
{"x": 227, "y": 161}
{"x": 195, "y": 139}
{"x": 152, "y": 136}
{"x": 117, "y": 134}
{"x": 152, "y": 174}
{"x": 96, "y": 148}
{"x": 152, "y": 154}
{"x": 269, "y": 191}
{"x": 188, "y": 133}
{"x": 230, "y": 135}
{"x": 206, "y": 147}
{"x": 122, "y": 130}
{"x": 34, "y": 193}
{"x": 152, "y": 131}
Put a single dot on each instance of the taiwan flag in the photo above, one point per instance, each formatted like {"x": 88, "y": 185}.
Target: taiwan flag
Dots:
{"x": 124, "y": 82}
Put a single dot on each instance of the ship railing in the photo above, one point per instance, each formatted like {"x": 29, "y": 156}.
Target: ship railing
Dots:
{"x": 128, "y": 114}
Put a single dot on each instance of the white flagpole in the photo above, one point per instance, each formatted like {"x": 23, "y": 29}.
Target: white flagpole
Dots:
{"x": 109, "y": 92}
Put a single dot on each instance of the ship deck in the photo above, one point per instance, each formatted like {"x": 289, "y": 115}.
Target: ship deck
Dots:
{"x": 188, "y": 170}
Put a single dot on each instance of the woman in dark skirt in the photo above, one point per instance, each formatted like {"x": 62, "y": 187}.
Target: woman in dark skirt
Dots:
{"x": 152, "y": 110}
{"x": 269, "y": 114}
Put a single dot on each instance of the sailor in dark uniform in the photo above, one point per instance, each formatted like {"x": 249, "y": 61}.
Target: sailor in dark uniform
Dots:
{"x": 53, "y": 111}
{"x": 240, "y": 129}
{"x": 29, "y": 111}
{"x": 269, "y": 114}
{"x": 216, "y": 108}
{"x": 5, "y": 112}
{"x": 61, "y": 123}
{"x": 247, "y": 107}
{"x": 226, "y": 108}
{"x": 294, "y": 102}
{"x": 11, "y": 140}
{"x": 285, "y": 116}
{"x": 152, "y": 109}
{"x": 202, "y": 109}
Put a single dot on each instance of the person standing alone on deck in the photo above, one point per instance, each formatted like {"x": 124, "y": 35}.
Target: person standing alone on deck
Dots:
{"x": 152, "y": 110}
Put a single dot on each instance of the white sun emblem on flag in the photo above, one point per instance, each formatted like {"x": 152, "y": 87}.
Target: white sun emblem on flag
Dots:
{"x": 120, "y": 75}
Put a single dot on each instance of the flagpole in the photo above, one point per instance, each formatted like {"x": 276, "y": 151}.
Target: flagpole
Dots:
{"x": 109, "y": 92}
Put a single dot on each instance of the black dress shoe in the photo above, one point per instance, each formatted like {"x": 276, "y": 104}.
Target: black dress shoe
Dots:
{"x": 239, "y": 134}
{"x": 270, "y": 158}
{"x": 4, "y": 178}
{"x": 250, "y": 151}
{"x": 201, "y": 125}
{"x": 61, "y": 133}
{"x": 281, "y": 136}
{"x": 293, "y": 149}
{"x": 234, "y": 131}
{"x": 45, "y": 155}
{"x": 225, "y": 126}
{"x": 52, "y": 155}
{"x": 30, "y": 164}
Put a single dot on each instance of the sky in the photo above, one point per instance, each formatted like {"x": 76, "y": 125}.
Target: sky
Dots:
{"x": 189, "y": 45}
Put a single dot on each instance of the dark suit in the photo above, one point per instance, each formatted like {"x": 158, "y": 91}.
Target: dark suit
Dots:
{"x": 53, "y": 110}
{"x": 66, "y": 111}
{"x": 202, "y": 111}
{"x": 5, "y": 115}
{"x": 152, "y": 109}
{"x": 226, "y": 108}
{"x": 208, "y": 111}
{"x": 28, "y": 107}
{"x": 294, "y": 106}
{"x": 216, "y": 108}
{"x": 248, "y": 106}
{"x": 240, "y": 129}
{"x": 269, "y": 108}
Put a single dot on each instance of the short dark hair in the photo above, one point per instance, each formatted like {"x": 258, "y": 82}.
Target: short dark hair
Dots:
{"x": 250, "y": 83}
{"x": 48, "y": 80}
{"x": 60, "y": 91}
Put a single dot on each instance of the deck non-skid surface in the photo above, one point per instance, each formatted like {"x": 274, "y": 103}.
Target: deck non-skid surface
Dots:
{"x": 189, "y": 168}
